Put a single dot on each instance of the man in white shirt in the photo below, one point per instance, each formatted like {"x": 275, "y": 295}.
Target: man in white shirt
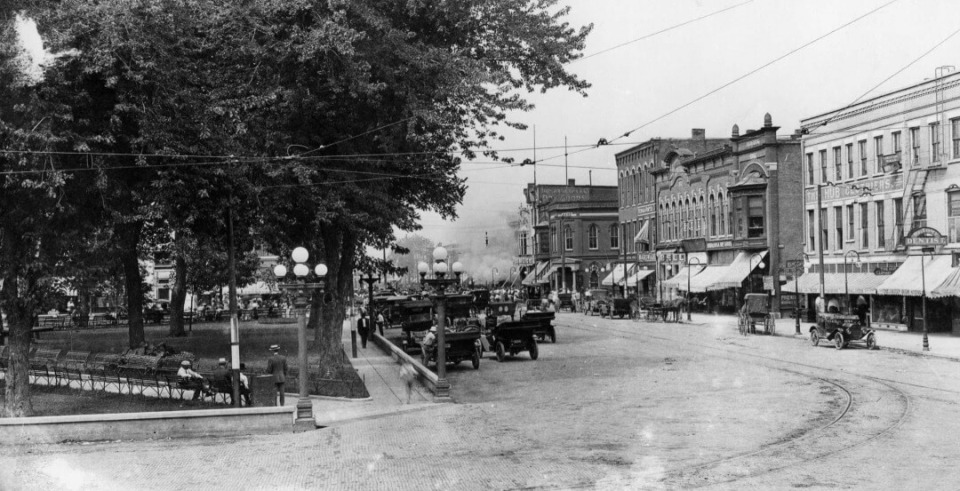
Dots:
{"x": 191, "y": 380}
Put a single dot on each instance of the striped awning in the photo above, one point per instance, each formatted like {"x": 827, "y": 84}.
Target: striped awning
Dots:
{"x": 644, "y": 234}
{"x": 639, "y": 275}
{"x": 615, "y": 276}
{"x": 909, "y": 278}
{"x": 833, "y": 283}
{"x": 950, "y": 286}
{"x": 679, "y": 280}
{"x": 738, "y": 270}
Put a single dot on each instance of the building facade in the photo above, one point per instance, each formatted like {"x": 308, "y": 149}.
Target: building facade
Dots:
{"x": 726, "y": 218}
{"x": 637, "y": 195}
{"x": 576, "y": 235}
{"x": 879, "y": 176}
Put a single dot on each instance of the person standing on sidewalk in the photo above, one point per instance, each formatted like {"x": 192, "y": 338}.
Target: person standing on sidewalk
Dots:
{"x": 363, "y": 328}
{"x": 277, "y": 367}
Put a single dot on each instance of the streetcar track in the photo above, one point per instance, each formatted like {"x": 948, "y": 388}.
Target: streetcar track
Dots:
{"x": 685, "y": 471}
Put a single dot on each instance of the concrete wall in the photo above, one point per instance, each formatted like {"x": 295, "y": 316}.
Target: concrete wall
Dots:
{"x": 146, "y": 426}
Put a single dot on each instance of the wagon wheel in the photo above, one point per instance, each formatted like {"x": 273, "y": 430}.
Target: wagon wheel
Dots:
{"x": 501, "y": 351}
{"x": 534, "y": 351}
{"x": 871, "y": 341}
{"x": 814, "y": 337}
{"x": 838, "y": 341}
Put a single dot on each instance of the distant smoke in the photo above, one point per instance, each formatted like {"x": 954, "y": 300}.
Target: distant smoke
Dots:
{"x": 490, "y": 253}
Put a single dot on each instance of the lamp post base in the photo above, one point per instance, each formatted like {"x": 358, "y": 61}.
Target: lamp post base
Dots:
{"x": 442, "y": 393}
{"x": 304, "y": 417}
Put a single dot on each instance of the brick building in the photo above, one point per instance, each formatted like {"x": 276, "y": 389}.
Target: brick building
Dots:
{"x": 727, "y": 218}
{"x": 576, "y": 235}
{"x": 882, "y": 168}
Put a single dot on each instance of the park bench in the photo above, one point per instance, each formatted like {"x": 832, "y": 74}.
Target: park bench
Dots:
{"x": 43, "y": 362}
{"x": 72, "y": 367}
{"x": 103, "y": 369}
{"x": 141, "y": 373}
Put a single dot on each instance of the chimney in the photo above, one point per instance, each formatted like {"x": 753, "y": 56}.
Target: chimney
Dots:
{"x": 698, "y": 134}
{"x": 571, "y": 182}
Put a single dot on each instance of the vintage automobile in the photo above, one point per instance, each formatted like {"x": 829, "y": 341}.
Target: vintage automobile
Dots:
{"x": 416, "y": 317}
{"x": 619, "y": 307}
{"x": 596, "y": 301}
{"x": 842, "y": 329}
{"x": 512, "y": 337}
{"x": 388, "y": 306}
{"x": 501, "y": 308}
{"x": 566, "y": 302}
{"x": 462, "y": 342}
{"x": 481, "y": 298}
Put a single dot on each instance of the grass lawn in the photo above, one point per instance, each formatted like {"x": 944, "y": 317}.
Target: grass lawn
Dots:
{"x": 61, "y": 401}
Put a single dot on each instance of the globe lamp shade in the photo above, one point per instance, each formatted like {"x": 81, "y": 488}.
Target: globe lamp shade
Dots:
{"x": 320, "y": 270}
{"x": 423, "y": 268}
{"x": 440, "y": 254}
{"x": 280, "y": 271}
{"x": 301, "y": 270}
{"x": 457, "y": 267}
{"x": 761, "y": 265}
{"x": 300, "y": 255}
{"x": 440, "y": 268}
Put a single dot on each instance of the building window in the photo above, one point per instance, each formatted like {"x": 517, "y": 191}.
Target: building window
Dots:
{"x": 811, "y": 228}
{"x": 878, "y": 153}
{"x": 864, "y": 226}
{"x": 862, "y": 148}
{"x": 898, "y": 220}
{"x": 568, "y": 238}
{"x": 955, "y": 136}
{"x": 593, "y": 243}
{"x": 823, "y": 166}
{"x": 919, "y": 210}
{"x": 553, "y": 239}
{"x": 914, "y": 146}
{"x": 724, "y": 215}
{"x": 838, "y": 163}
{"x": 849, "y": 224}
{"x": 810, "y": 169}
{"x": 713, "y": 216}
{"x": 953, "y": 216}
{"x": 896, "y": 142}
{"x": 824, "y": 230}
{"x": 614, "y": 236}
{"x": 523, "y": 243}
{"x": 740, "y": 227}
{"x": 544, "y": 244}
{"x": 755, "y": 208}
{"x": 838, "y": 223}
{"x": 935, "y": 142}
{"x": 881, "y": 230}
{"x": 850, "y": 171}
{"x": 163, "y": 294}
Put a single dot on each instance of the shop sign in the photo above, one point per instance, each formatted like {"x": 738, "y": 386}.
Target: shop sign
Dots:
{"x": 644, "y": 210}
{"x": 693, "y": 245}
{"x": 768, "y": 283}
{"x": 564, "y": 194}
{"x": 720, "y": 244}
{"x": 876, "y": 185}
{"x": 886, "y": 269}
{"x": 646, "y": 257}
{"x": 794, "y": 266}
{"x": 923, "y": 237}
{"x": 672, "y": 257}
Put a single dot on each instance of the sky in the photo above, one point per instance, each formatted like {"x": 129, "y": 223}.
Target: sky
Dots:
{"x": 637, "y": 85}
{"x": 716, "y": 63}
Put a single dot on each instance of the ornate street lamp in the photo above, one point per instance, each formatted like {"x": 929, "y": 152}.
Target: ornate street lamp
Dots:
{"x": 302, "y": 291}
{"x": 370, "y": 279}
{"x": 846, "y": 289}
{"x": 439, "y": 284}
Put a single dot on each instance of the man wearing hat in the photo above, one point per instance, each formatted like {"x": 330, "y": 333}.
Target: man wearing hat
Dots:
{"x": 277, "y": 367}
{"x": 428, "y": 341}
{"x": 190, "y": 380}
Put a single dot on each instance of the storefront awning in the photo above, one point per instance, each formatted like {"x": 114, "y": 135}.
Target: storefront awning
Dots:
{"x": 707, "y": 276}
{"x": 908, "y": 279}
{"x": 531, "y": 278}
{"x": 644, "y": 234}
{"x": 679, "y": 280}
{"x": 639, "y": 276}
{"x": 615, "y": 276}
{"x": 950, "y": 286}
{"x": 833, "y": 283}
{"x": 739, "y": 269}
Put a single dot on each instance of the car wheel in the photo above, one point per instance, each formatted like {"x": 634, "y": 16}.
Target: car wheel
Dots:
{"x": 838, "y": 341}
{"x": 534, "y": 351}
{"x": 501, "y": 351}
{"x": 814, "y": 337}
{"x": 871, "y": 341}
{"x": 553, "y": 337}
{"x": 476, "y": 361}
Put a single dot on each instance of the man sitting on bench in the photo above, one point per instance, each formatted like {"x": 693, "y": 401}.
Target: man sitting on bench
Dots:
{"x": 190, "y": 380}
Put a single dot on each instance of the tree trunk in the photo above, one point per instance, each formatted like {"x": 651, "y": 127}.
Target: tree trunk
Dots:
{"x": 133, "y": 282}
{"x": 338, "y": 250}
{"x": 15, "y": 301}
{"x": 178, "y": 296}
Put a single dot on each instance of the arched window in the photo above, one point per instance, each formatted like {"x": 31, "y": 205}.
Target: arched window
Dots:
{"x": 553, "y": 238}
{"x": 594, "y": 280}
{"x": 636, "y": 187}
{"x": 615, "y": 236}
{"x": 687, "y": 218}
{"x": 567, "y": 238}
{"x": 713, "y": 215}
{"x": 701, "y": 219}
{"x": 593, "y": 242}
{"x": 722, "y": 203}
{"x": 676, "y": 221}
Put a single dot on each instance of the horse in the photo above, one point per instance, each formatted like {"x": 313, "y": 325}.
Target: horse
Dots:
{"x": 675, "y": 307}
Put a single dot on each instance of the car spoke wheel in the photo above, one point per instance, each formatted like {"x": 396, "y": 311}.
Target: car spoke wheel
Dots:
{"x": 476, "y": 360}
{"x": 838, "y": 341}
{"x": 534, "y": 351}
{"x": 814, "y": 337}
{"x": 501, "y": 351}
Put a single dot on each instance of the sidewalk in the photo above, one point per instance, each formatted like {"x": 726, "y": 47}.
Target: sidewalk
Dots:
{"x": 942, "y": 345}
{"x": 381, "y": 375}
